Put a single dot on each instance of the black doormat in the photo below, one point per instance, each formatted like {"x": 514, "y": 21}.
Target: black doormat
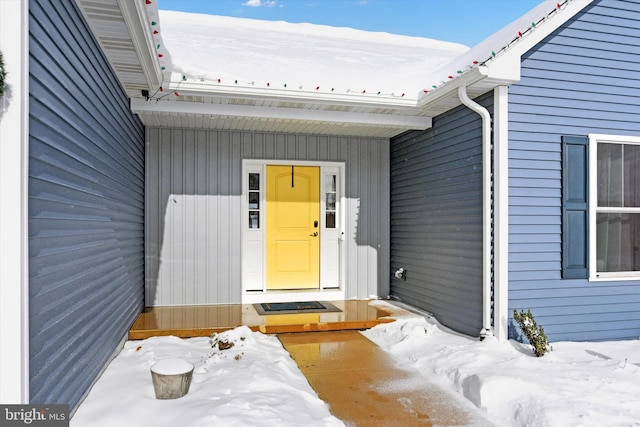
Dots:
{"x": 266, "y": 308}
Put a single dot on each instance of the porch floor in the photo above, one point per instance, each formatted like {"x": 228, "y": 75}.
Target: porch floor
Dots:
{"x": 198, "y": 321}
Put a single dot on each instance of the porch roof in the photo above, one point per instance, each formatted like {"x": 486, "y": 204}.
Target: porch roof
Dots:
{"x": 124, "y": 29}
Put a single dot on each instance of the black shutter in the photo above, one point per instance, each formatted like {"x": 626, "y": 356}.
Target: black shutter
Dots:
{"x": 575, "y": 207}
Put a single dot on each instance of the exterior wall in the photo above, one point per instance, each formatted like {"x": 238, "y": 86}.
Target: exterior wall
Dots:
{"x": 436, "y": 218}
{"x": 582, "y": 79}
{"x": 86, "y": 207}
{"x": 14, "y": 143}
{"x": 193, "y": 219}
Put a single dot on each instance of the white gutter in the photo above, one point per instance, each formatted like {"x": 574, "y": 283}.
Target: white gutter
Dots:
{"x": 193, "y": 88}
{"x": 486, "y": 208}
{"x": 14, "y": 244}
{"x": 448, "y": 89}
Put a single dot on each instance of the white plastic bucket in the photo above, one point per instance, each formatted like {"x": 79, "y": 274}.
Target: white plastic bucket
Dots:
{"x": 171, "y": 377}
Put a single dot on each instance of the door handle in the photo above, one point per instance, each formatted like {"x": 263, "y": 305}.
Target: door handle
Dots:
{"x": 314, "y": 234}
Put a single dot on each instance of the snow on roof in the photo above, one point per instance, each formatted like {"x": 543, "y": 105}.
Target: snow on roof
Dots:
{"x": 253, "y": 53}
{"x": 238, "y": 53}
{"x": 503, "y": 37}
{"x": 497, "y": 44}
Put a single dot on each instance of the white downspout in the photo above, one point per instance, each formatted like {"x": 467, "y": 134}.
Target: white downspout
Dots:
{"x": 486, "y": 208}
{"x": 501, "y": 212}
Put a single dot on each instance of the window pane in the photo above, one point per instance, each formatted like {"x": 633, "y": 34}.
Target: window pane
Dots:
{"x": 631, "y": 156}
{"x": 254, "y": 219}
{"x": 618, "y": 241}
{"x": 254, "y": 200}
{"x": 331, "y": 220}
{"x": 610, "y": 175}
{"x": 329, "y": 183}
{"x": 331, "y": 201}
{"x": 254, "y": 181}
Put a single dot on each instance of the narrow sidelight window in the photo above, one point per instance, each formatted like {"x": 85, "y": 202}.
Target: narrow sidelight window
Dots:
{"x": 254, "y": 200}
{"x": 330, "y": 192}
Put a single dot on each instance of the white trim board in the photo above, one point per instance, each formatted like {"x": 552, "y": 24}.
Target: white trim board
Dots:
{"x": 14, "y": 157}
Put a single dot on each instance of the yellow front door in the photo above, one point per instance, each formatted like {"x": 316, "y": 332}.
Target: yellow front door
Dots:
{"x": 293, "y": 231}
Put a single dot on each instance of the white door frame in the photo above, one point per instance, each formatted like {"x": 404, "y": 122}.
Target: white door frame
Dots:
{"x": 332, "y": 265}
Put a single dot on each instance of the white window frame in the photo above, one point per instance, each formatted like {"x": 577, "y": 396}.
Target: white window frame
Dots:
{"x": 594, "y": 140}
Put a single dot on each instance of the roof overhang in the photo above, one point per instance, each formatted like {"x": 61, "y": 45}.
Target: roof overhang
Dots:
{"x": 502, "y": 70}
{"x": 191, "y": 104}
{"x": 123, "y": 28}
{"x": 376, "y": 123}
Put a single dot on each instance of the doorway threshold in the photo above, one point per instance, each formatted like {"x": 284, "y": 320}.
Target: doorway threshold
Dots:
{"x": 293, "y": 295}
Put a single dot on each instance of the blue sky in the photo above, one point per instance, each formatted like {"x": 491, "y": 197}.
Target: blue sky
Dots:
{"x": 461, "y": 21}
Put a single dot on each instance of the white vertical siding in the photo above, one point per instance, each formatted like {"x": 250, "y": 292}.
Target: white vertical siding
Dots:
{"x": 194, "y": 218}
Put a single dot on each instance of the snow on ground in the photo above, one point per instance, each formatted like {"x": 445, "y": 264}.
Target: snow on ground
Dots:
{"x": 301, "y": 56}
{"x": 254, "y": 383}
{"x": 577, "y": 384}
{"x": 257, "y": 383}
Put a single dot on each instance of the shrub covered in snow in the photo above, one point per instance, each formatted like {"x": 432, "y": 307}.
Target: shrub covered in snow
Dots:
{"x": 534, "y": 333}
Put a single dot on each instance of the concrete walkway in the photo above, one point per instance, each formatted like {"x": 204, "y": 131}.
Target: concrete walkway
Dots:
{"x": 363, "y": 386}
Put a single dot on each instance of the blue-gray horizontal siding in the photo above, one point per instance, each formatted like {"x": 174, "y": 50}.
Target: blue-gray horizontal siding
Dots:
{"x": 582, "y": 79}
{"x": 436, "y": 218}
{"x": 183, "y": 163}
{"x": 86, "y": 206}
